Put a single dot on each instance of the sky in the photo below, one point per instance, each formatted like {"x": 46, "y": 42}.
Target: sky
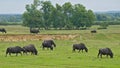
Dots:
{"x": 18, "y": 6}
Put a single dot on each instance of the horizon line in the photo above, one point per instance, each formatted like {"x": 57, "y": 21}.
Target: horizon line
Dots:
{"x": 93, "y": 11}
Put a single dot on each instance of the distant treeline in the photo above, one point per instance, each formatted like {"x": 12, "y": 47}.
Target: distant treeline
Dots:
{"x": 111, "y": 17}
{"x": 108, "y": 16}
{"x": 10, "y": 19}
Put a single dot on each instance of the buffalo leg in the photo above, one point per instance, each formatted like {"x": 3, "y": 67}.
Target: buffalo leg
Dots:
{"x": 100, "y": 55}
{"x": 51, "y": 48}
{"x": 10, "y": 54}
{"x": 107, "y": 56}
{"x": 16, "y": 54}
{"x": 73, "y": 50}
{"x": 43, "y": 48}
{"x": 31, "y": 53}
{"x": 6, "y": 54}
{"x": 25, "y": 52}
{"x": 47, "y": 48}
{"x": 79, "y": 50}
{"x": 82, "y": 50}
{"x": 21, "y": 53}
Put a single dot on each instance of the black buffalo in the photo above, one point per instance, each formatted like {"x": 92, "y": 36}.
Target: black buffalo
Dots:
{"x": 34, "y": 30}
{"x": 105, "y": 51}
{"x": 48, "y": 44}
{"x": 3, "y": 30}
{"x": 93, "y": 31}
{"x": 79, "y": 47}
{"x": 31, "y": 49}
{"x": 16, "y": 50}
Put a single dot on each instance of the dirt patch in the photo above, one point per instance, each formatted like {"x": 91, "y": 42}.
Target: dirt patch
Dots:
{"x": 26, "y": 37}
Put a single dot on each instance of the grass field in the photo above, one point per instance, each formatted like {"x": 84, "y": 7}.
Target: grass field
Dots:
{"x": 17, "y": 29}
{"x": 62, "y": 56}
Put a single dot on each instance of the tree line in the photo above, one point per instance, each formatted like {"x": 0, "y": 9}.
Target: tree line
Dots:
{"x": 110, "y": 17}
{"x": 10, "y": 19}
{"x": 44, "y": 15}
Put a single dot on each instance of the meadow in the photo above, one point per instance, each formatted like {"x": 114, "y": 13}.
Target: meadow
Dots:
{"x": 62, "y": 56}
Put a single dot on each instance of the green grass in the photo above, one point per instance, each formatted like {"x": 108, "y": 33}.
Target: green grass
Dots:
{"x": 18, "y": 29}
{"x": 62, "y": 56}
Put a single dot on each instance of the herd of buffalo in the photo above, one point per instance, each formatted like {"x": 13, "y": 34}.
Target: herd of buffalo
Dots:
{"x": 49, "y": 45}
{"x": 32, "y": 30}
{"x": 35, "y": 30}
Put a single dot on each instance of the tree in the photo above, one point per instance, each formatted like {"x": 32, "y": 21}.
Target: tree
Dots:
{"x": 103, "y": 25}
{"x": 43, "y": 14}
{"x": 57, "y": 17}
{"x": 79, "y": 16}
{"x": 46, "y": 9}
{"x": 67, "y": 12}
{"x": 33, "y": 17}
{"x": 90, "y": 18}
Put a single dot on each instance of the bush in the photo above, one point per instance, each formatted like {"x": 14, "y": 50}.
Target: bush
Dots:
{"x": 102, "y": 28}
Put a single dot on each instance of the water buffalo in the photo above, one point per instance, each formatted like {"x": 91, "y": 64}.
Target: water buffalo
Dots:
{"x": 3, "y": 30}
{"x": 105, "y": 51}
{"x": 30, "y": 48}
{"x": 79, "y": 47}
{"x": 48, "y": 44}
{"x": 34, "y": 30}
{"x": 16, "y": 50}
{"x": 93, "y": 31}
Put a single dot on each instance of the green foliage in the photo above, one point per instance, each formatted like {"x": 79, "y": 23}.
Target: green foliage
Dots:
{"x": 108, "y": 16}
{"x": 32, "y": 17}
{"x": 112, "y": 18}
{"x": 47, "y": 9}
{"x": 57, "y": 17}
{"x": 43, "y": 14}
{"x": 10, "y": 19}
{"x": 104, "y": 24}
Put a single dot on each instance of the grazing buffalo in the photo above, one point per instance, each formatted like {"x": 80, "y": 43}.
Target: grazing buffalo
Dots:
{"x": 3, "y": 30}
{"x": 48, "y": 44}
{"x": 16, "y": 50}
{"x": 105, "y": 51}
{"x": 34, "y": 30}
{"x": 30, "y": 48}
{"x": 79, "y": 47}
{"x": 93, "y": 31}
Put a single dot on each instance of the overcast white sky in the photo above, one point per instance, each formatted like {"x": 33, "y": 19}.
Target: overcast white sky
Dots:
{"x": 18, "y": 6}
